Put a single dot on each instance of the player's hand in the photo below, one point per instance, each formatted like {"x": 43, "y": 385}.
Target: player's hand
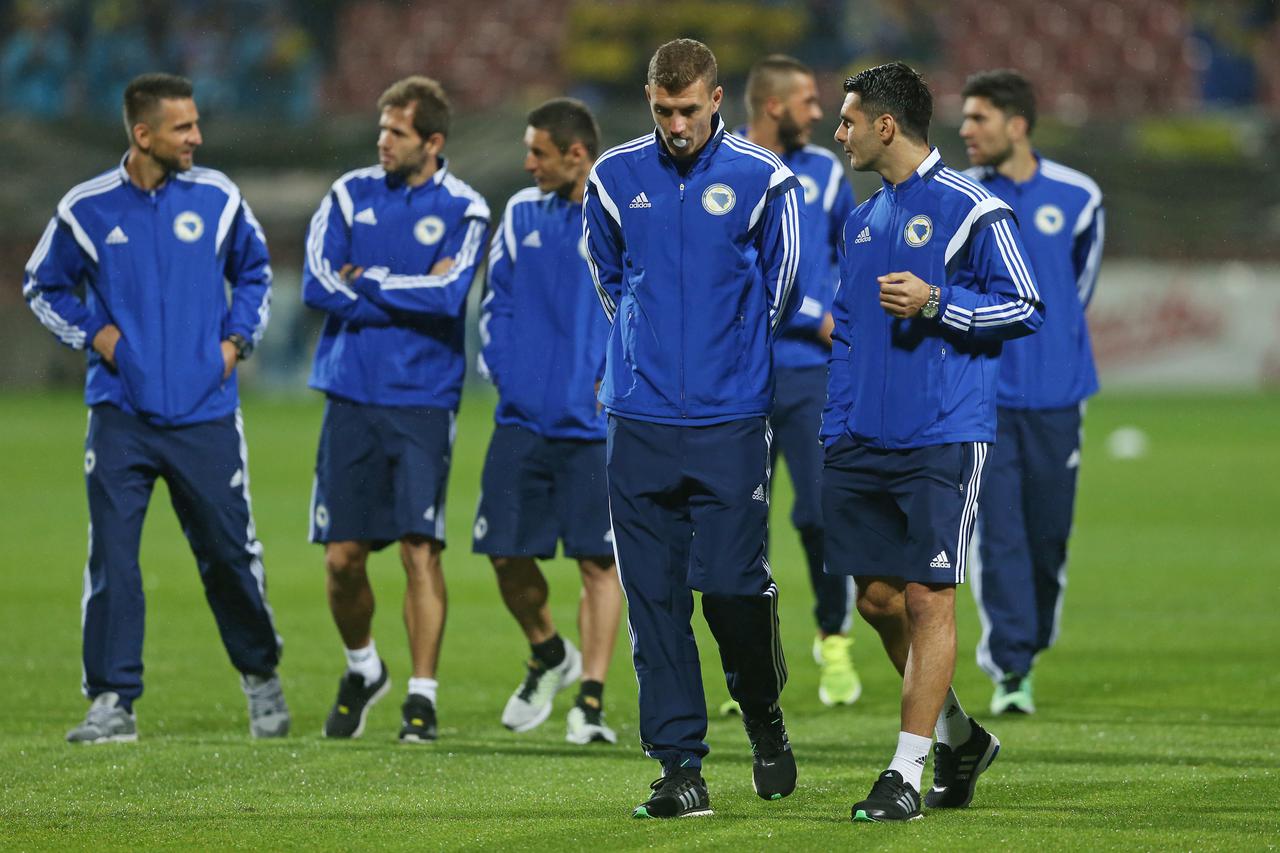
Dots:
{"x": 441, "y": 266}
{"x": 824, "y": 331}
{"x": 229, "y": 359}
{"x": 902, "y": 294}
{"x": 104, "y": 343}
{"x": 599, "y": 405}
{"x": 350, "y": 272}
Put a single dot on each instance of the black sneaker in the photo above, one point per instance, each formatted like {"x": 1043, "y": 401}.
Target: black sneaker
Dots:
{"x": 891, "y": 798}
{"x": 773, "y": 770}
{"x": 355, "y": 698}
{"x": 678, "y": 794}
{"x": 419, "y": 717}
{"x": 956, "y": 771}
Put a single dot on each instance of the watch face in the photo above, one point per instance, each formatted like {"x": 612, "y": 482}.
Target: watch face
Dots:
{"x": 930, "y": 310}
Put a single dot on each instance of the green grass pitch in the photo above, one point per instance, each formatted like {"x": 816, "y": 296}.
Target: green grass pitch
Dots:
{"x": 1157, "y": 729}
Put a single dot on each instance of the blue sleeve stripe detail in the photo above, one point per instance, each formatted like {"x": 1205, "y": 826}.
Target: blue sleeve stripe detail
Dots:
{"x": 463, "y": 263}
{"x": 316, "y": 261}
{"x": 1088, "y": 279}
{"x": 790, "y": 254}
{"x": 606, "y": 301}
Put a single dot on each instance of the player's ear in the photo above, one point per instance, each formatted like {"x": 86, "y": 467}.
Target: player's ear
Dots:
{"x": 576, "y": 152}
{"x": 141, "y": 135}
{"x": 716, "y": 97}
{"x": 886, "y": 128}
{"x": 435, "y": 144}
{"x": 1018, "y": 127}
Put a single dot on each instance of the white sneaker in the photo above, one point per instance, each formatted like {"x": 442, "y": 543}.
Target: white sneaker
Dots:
{"x": 530, "y": 705}
{"x": 106, "y": 722}
{"x": 268, "y": 713}
{"x": 587, "y": 725}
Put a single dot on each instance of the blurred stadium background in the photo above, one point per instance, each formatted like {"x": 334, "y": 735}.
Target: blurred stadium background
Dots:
{"x": 1172, "y": 105}
{"x": 1163, "y": 690}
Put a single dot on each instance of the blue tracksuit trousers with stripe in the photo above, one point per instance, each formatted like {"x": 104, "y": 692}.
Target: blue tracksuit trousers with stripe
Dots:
{"x": 690, "y": 511}
{"x": 1024, "y": 520}
{"x": 205, "y": 466}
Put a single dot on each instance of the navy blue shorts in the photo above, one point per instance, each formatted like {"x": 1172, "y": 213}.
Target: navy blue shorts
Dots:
{"x": 381, "y": 473}
{"x": 536, "y": 491}
{"x": 901, "y": 513}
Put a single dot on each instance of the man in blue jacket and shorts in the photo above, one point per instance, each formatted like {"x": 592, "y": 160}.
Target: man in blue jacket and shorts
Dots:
{"x": 933, "y": 280}
{"x": 544, "y": 474}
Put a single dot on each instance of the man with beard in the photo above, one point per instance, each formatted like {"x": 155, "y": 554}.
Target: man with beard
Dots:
{"x": 154, "y": 242}
{"x": 1024, "y": 517}
{"x": 544, "y": 474}
{"x": 782, "y": 107}
{"x": 390, "y": 256}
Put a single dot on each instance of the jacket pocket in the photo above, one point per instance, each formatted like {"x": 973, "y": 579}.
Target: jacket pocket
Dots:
{"x": 131, "y": 379}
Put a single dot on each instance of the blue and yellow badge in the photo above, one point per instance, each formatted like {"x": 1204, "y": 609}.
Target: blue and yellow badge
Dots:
{"x": 718, "y": 199}
{"x": 918, "y": 231}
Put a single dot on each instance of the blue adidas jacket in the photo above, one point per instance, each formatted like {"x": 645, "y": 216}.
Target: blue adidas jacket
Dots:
{"x": 828, "y": 201}
{"x": 156, "y": 264}
{"x": 695, "y": 271}
{"x": 1062, "y": 226}
{"x": 394, "y": 336}
{"x": 918, "y": 382}
{"x": 540, "y": 322}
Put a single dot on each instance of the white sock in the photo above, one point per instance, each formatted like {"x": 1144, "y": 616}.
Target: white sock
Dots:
{"x": 909, "y": 760}
{"x": 365, "y": 661}
{"x": 424, "y": 687}
{"x": 953, "y": 727}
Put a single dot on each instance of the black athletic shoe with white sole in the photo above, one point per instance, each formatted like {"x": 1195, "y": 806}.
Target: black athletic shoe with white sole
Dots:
{"x": 355, "y": 698}
{"x": 956, "y": 771}
{"x": 773, "y": 768}
{"x": 891, "y": 798}
{"x": 418, "y": 717}
{"x": 681, "y": 793}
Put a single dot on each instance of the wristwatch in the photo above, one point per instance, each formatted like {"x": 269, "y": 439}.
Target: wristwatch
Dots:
{"x": 930, "y": 309}
{"x": 244, "y": 347}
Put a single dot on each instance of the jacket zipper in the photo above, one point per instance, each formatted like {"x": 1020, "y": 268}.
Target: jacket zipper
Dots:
{"x": 155, "y": 215}
{"x": 888, "y": 338}
{"x": 683, "y": 412}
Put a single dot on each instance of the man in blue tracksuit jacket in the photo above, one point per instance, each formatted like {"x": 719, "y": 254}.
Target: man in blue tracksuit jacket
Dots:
{"x": 153, "y": 243}
{"x": 544, "y": 474}
{"x": 933, "y": 280}
{"x": 391, "y": 253}
{"x": 693, "y": 239}
{"x": 782, "y": 108}
{"x": 1024, "y": 517}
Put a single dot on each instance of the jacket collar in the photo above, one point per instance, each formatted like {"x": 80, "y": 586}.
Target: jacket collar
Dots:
{"x": 929, "y": 166}
{"x": 704, "y": 156}
{"x": 436, "y": 179}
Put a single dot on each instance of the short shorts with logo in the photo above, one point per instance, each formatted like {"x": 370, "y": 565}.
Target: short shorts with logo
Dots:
{"x": 537, "y": 491}
{"x": 901, "y": 513}
{"x": 381, "y": 473}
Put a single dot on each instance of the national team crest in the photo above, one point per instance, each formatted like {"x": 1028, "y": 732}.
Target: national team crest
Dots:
{"x": 1050, "y": 218}
{"x": 429, "y": 230}
{"x": 188, "y": 226}
{"x": 918, "y": 231}
{"x": 718, "y": 199}
{"x": 810, "y": 188}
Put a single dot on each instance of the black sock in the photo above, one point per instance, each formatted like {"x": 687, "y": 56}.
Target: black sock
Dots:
{"x": 591, "y": 694}
{"x": 549, "y": 653}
